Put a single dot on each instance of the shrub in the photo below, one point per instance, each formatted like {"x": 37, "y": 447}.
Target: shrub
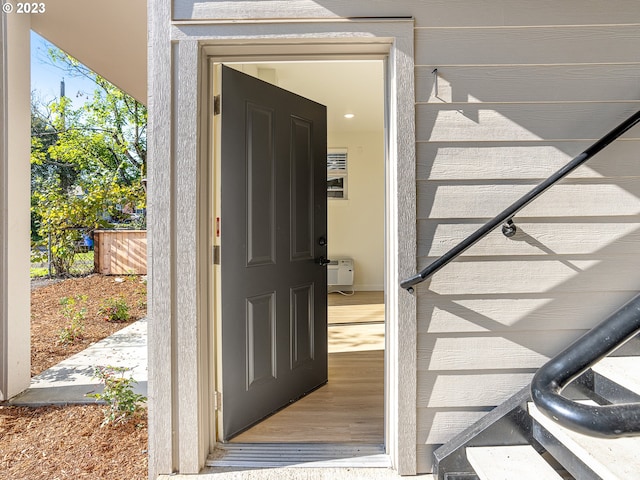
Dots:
{"x": 122, "y": 402}
{"x": 114, "y": 310}
{"x": 75, "y": 315}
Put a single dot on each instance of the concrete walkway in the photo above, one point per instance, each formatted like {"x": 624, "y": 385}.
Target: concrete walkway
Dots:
{"x": 69, "y": 381}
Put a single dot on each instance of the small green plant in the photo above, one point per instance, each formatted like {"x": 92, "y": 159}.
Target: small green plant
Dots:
{"x": 75, "y": 314}
{"x": 122, "y": 402}
{"x": 114, "y": 310}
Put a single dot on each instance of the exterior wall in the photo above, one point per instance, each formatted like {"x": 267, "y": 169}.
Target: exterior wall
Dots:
{"x": 15, "y": 354}
{"x": 356, "y": 225}
{"x": 516, "y": 99}
{"x": 522, "y": 88}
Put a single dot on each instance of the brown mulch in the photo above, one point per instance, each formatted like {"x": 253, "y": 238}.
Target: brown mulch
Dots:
{"x": 47, "y": 319}
{"x": 68, "y": 442}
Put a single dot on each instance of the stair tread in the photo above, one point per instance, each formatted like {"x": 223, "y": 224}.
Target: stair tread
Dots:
{"x": 516, "y": 462}
{"x": 621, "y": 370}
{"x": 611, "y": 459}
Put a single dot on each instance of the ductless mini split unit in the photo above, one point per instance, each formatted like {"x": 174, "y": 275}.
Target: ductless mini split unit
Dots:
{"x": 340, "y": 273}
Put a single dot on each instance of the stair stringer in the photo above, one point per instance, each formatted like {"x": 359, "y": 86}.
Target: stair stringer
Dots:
{"x": 507, "y": 424}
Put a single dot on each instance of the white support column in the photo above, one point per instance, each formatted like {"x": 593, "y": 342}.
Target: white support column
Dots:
{"x": 15, "y": 170}
{"x": 163, "y": 422}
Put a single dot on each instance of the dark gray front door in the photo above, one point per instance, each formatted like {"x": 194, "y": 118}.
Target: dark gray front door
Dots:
{"x": 273, "y": 238}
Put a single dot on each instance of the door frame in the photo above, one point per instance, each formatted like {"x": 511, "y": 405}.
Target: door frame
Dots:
{"x": 181, "y": 368}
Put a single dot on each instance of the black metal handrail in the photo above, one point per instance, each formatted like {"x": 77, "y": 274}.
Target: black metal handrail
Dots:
{"x": 607, "y": 421}
{"x": 505, "y": 217}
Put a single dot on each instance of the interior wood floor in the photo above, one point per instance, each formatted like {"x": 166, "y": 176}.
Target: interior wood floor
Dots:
{"x": 361, "y": 307}
{"x": 350, "y": 407}
{"x": 358, "y": 298}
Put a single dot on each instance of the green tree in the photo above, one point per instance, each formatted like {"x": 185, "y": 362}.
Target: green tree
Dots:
{"x": 118, "y": 121}
{"x": 88, "y": 164}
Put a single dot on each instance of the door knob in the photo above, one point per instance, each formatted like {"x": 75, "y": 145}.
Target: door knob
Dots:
{"x": 323, "y": 262}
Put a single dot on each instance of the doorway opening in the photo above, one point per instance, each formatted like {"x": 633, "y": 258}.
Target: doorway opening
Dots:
{"x": 350, "y": 407}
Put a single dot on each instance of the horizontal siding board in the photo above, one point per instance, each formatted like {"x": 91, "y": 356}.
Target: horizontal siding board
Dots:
{"x": 503, "y": 277}
{"x": 546, "y": 311}
{"x": 617, "y": 198}
{"x": 529, "y": 83}
{"x": 522, "y": 160}
{"x": 552, "y": 240}
{"x": 528, "y": 45}
{"x": 437, "y": 427}
{"x": 427, "y": 13}
{"x": 294, "y": 9}
{"x": 461, "y": 390}
{"x": 570, "y": 12}
{"x": 492, "y": 122}
{"x": 476, "y": 352}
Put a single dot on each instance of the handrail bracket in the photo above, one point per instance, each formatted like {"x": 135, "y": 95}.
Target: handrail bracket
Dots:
{"x": 509, "y": 228}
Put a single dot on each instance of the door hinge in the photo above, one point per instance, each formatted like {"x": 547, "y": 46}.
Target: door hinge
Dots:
{"x": 216, "y": 254}
{"x": 216, "y": 105}
{"x": 217, "y": 401}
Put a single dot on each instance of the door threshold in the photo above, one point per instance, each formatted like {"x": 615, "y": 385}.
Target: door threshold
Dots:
{"x": 303, "y": 455}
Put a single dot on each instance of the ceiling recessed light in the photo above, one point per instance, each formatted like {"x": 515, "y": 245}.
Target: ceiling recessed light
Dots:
{"x": 349, "y": 115}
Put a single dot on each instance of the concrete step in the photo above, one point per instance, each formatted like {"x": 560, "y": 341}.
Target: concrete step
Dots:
{"x": 618, "y": 379}
{"x": 519, "y": 462}
{"x": 587, "y": 457}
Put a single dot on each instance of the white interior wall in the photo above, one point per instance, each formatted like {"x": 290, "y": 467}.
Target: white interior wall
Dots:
{"x": 356, "y": 225}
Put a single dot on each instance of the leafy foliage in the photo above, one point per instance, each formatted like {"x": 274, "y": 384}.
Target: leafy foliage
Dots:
{"x": 114, "y": 310}
{"x": 76, "y": 316}
{"x": 122, "y": 402}
{"x": 87, "y": 164}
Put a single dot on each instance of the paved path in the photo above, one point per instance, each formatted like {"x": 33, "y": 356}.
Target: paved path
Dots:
{"x": 69, "y": 381}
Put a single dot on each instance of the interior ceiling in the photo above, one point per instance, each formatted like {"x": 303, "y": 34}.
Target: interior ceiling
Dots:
{"x": 343, "y": 86}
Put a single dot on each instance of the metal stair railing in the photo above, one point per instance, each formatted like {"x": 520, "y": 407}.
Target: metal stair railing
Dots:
{"x": 505, "y": 218}
{"x": 606, "y": 421}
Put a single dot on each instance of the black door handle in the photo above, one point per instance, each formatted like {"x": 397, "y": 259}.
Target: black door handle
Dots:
{"x": 323, "y": 262}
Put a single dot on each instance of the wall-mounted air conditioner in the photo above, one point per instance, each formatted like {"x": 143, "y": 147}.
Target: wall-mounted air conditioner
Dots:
{"x": 340, "y": 272}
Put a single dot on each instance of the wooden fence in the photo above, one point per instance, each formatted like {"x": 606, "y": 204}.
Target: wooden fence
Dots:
{"x": 120, "y": 252}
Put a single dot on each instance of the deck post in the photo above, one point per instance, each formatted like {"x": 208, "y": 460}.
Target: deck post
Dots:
{"x": 15, "y": 121}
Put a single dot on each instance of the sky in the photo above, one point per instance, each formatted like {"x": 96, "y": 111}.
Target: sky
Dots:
{"x": 45, "y": 77}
